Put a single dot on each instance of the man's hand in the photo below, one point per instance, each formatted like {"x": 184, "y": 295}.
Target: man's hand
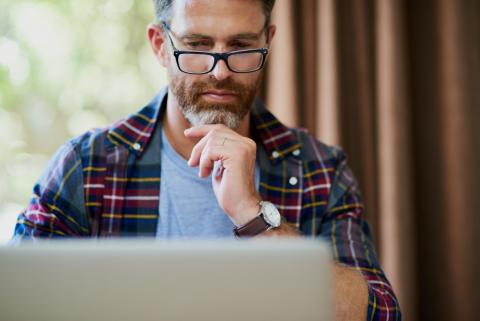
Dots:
{"x": 233, "y": 157}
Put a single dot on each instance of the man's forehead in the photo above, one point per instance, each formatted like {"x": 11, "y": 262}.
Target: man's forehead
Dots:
{"x": 218, "y": 18}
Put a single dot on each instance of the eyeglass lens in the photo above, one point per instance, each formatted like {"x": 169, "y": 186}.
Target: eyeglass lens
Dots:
{"x": 241, "y": 62}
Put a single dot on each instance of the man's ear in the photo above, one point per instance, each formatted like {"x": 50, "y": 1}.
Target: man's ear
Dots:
{"x": 156, "y": 37}
{"x": 271, "y": 30}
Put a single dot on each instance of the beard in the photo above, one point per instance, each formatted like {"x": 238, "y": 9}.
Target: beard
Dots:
{"x": 199, "y": 112}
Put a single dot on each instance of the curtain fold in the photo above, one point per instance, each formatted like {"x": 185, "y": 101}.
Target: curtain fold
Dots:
{"x": 282, "y": 56}
{"x": 396, "y": 84}
{"x": 396, "y": 188}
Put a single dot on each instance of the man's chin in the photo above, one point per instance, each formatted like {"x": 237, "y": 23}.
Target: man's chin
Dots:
{"x": 222, "y": 108}
{"x": 214, "y": 117}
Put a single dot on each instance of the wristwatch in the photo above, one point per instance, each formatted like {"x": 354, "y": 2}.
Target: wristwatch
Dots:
{"x": 268, "y": 218}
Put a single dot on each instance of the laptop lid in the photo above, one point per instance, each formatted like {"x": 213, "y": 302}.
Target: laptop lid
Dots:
{"x": 281, "y": 280}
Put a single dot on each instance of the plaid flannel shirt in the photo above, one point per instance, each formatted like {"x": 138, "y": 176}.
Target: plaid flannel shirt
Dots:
{"x": 106, "y": 183}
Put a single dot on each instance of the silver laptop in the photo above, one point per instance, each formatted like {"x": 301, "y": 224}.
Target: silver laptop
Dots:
{"x": 280, "y": 280}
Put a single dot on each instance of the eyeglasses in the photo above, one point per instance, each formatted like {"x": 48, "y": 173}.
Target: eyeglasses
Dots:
{"x": 203, "y": 62}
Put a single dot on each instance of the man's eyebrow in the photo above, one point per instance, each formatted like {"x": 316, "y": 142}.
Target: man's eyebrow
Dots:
{"x": 239, "y": 36}
{"x": 245, "y": 36}
{"x": 193, "y": 36}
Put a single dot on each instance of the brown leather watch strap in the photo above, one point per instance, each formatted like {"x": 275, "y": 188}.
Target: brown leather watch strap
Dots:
{"x": 254, "y": 227}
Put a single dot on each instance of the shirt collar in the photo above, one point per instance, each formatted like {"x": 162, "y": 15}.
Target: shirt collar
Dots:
{"x": 277, "y": 139}
{"x": 135, "y": 131}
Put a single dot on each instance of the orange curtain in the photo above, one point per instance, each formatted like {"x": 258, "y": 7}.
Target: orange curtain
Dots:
{"x": 397, "y": 85}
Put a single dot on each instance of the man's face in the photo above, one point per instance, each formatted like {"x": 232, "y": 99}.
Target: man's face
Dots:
{"x": 221, "y": 96}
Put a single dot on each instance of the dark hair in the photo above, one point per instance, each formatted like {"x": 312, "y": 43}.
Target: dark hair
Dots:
{"x": 163, "y": 10}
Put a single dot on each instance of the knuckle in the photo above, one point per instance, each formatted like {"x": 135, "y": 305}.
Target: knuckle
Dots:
{"x": 251, "y": 146}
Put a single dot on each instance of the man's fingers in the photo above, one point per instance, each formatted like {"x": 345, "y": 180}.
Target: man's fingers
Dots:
{"x": 200, "y": 131}
{"x": 213, "y": 138}
{"x": 197, "y": 151}
{"x": 207, "y": 159}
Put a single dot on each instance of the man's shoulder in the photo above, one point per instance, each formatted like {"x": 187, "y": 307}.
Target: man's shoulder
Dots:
{"x": 132, "y": 132}
{"x": 281, "y": 141}
{"x": 93, "y": 142}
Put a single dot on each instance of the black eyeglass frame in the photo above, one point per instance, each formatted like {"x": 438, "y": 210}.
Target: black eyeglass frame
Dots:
{"x": 216, "y": 56}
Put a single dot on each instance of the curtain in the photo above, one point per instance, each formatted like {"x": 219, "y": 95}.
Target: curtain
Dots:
{"x": 397, "y": 85}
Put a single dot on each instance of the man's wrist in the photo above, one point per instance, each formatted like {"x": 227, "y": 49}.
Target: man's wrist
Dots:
{"x": 247, "y": 213}
{"x": 267, "y": 218}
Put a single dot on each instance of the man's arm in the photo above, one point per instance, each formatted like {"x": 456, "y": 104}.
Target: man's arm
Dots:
{"x": 345, "y": 227}
{"x": 342, "y": 222}
{"x": 350, "y": 294}
{"x": 360, "y": 285}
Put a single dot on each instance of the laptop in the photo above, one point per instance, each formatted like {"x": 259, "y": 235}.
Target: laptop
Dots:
{"x": 146, "y": 280}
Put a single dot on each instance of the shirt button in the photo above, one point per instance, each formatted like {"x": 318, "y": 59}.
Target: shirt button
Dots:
{"x": 296, "y": 152}
{"x": 293, "y": 180}
{"x": 136, "y": 146}
{"x": 275, "y": 154}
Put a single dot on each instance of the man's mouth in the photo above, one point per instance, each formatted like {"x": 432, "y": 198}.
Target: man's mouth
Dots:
{"x": 219, "y": 95}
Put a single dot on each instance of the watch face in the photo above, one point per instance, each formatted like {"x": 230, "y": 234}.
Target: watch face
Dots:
{"x": 271, "y": 214}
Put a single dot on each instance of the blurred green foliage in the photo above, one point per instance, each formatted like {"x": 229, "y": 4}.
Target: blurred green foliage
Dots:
{"x": 65, "y": 66}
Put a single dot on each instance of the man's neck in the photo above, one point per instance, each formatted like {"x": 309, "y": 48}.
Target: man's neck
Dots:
{"x": 174, "y": 124}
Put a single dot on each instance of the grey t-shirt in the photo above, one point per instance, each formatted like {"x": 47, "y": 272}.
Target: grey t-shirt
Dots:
{"x": 188, "y": 207}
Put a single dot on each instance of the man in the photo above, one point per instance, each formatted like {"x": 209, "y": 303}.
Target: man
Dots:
{"x": 205, "y": 159}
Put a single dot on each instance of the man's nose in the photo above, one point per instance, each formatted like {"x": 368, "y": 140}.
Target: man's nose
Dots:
{"x": 221, "y": 71}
